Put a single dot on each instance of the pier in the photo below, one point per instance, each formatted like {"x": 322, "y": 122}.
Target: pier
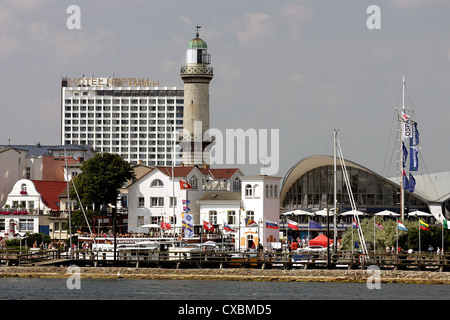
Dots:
{"x": 221, "y": 260}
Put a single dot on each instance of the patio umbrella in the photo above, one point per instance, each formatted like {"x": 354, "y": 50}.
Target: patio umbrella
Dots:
{"x": 418, "y": 213}
{"x": 387, "y": 213}
{"x": 151, "y": 225}
{"x": 352, "y": 212}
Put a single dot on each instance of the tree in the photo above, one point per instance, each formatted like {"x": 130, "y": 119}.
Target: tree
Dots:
{"x": 101, "y": 178}
{"x": 383, "y": 238}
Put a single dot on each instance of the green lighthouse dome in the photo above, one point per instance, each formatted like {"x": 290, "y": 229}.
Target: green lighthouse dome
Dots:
{"x": 197, "y": 43}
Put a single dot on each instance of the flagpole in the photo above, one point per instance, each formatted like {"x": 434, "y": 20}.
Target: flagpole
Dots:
{"x": 397, "y": 233}
{"x": 173, "y": 182}
{"x": 402, "y": 192}
{"x": 239, "y": 235}
{"x": 374, "y": 233}
{"x": 418, "y": 220}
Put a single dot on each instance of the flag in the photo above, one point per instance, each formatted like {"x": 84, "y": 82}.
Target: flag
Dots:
{"x": 228, "y": 228}
{"x": 405, "y": 181}
{"x": 108, "y": 241}
{"x": 292, "y": 224}
{"x": 250, "y": 223}
{"x": 185, "y": 185}
{"x": 378, "y": 225}
{"x": 356, "y": 245}
{"x": 165, "y": 226}
{"x": 208, "y": 226}
{"x": 406, "y": 126}
{"x": 446, "y": 225}
{"x": 314, "y": 225}
{"x": 354, "y": 224}
{"x": 412, "y": 183}
{"x": 188, "y": 225}
{"x": 185, "y": 202}
{"x": 185, "y": 208}
{"x": 404, "y": 116}
{"x": 401, "y": 226}
{"x": 78, "y": 231}
{"x": 413, "y": 159}
{"x": 423, "y": 225}
{"x": 271, "y": 225}
{"x": 404, "y": 154}
{"x": 414, "y": 140}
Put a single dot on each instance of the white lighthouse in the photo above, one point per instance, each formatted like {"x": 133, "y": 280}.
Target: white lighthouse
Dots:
{"x": 196, "y": 75}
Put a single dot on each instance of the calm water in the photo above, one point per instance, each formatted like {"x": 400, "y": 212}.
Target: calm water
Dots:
{"x": 125, "y": 289}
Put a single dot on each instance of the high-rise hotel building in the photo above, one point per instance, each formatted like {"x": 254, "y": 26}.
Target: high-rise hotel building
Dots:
{"x": 132, "y": 117}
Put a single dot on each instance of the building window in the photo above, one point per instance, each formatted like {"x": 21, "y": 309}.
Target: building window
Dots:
{"x": 157, "y": 183}
{"x": 156, "y": 201}
{"x": 26, "y": 225}
{"x": 141, "y": 202}
{"x": 250, "y": 215}
{"x": 248, "y": 191}
{"x": 213, "y": 217}
{"x": 173, "y": 202}
{"x": 194, "y": 182}
{"x": 231, "y": 217}
{"x": 256, "y": 190}
{"x": 23, "y": 189}
{"x": 236, "y": 185}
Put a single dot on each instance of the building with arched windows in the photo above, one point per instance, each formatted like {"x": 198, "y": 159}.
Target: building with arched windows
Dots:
{"x": 309, "y": 185}
{"x": 157, "y": 195}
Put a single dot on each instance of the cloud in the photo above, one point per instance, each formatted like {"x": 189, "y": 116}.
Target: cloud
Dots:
{"x": 252, "y": 26}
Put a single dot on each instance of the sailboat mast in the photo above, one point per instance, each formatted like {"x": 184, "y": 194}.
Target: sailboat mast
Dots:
{"x": 402, "y": 192}
{"x": 335, "y": 189}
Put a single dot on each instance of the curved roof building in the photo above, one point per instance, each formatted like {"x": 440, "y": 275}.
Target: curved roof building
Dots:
{"x": 309, "y": 185}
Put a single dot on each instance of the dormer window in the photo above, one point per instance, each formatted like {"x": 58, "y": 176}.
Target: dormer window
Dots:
{"x": 157, "y": 183}
{"x": 23, "y": 189}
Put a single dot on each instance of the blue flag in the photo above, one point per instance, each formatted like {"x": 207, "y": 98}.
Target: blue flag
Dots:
{"x": 405, "y": 181}
{"x": 412, "y": 183}
{"x": 413, "y": 159}
{"x": 414, "y": 140}
{"x": 405, "y": 154}
{"x": 314, "y": 225}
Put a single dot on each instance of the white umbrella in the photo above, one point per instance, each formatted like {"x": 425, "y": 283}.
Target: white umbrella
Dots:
{"x": 151, "y": 225}
{"x": 323, "y": 213}
{"x": 352, "y": 212}
{"x": 297, "y": 213}
{"x": 387, "y": 213}
{"x": 418, "y": 213}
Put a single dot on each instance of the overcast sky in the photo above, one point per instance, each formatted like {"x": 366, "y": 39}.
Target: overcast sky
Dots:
{"x": 302, "y": 67}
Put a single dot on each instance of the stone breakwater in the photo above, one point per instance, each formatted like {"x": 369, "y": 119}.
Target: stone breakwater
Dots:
{"x": 238, "y": 274}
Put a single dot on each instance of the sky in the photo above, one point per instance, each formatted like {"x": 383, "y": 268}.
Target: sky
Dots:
{"x": 299, "y": 67}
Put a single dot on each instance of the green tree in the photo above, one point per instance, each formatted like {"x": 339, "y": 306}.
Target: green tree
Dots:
{"x": 383, "y": 238}
{"x": 79, "y": 221}
{"x": 101, "y": 178}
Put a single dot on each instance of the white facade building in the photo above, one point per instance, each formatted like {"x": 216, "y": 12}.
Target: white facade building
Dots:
{"x": 157, "y": 197}
{"x": 29, "y": 208}
{"x": 257, "y": 201}
{"x": 134, "y": 118}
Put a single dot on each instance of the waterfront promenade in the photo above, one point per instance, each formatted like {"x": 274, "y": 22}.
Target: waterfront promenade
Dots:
{"x": 232, "y": 274}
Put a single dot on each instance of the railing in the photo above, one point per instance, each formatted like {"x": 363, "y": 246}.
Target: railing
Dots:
{"x": 197, "y": 70}
{"x": 230, "y": 259}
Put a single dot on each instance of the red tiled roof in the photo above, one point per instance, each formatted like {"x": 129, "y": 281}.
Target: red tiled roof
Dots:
{"x": 177, "y": 171}
{"x": 50, "y": 191}
{"x": 223, "y": 173}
